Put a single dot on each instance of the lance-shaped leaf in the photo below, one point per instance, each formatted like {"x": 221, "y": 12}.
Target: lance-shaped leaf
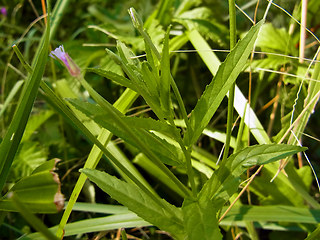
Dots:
{"x": 113, "y": 77}
{"x": 167, "y": 152}
{"x": 224, "y": 182}
{"x": 165, "y": 78}
{"x": 168, "y": 219}
{"x": 220, "y": 85}
{"x": 139, "y": 76}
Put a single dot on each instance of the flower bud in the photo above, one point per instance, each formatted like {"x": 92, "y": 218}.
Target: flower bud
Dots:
{"x": 64, "y": 58}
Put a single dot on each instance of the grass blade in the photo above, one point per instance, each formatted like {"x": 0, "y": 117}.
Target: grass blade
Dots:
{"x": 12, "y": 138}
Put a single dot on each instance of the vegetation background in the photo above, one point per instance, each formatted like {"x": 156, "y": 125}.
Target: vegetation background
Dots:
{"x": 279, "y": 80}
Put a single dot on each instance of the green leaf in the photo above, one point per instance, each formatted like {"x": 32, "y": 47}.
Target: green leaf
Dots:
{"x": 274, "y": 213}
{"x": 40, "y": 191}
{"x": 200, "y": 220}
{"x": 35, "y": 222}
{"x": 224, "y": 182}
{"x": 153, "y": 80}
{"x": 123, "y": 159}
{"x": 35, "y": 121}
{"x": 278, "y": 192}
{"x": 12, "y": 138}
{"x": 218, "y": 88}
{"x": 275, "y": 40}
{"x": 202, "y": 19}
{"x": 152, "y": 169}
{"x": 236, "y": 216}
{"x": 167, "y": 152}
{"x": 29, "y": 156}
{"x": 209, "y": 57}
{"x": 114, "y": 77}
{"x": 67, "y": 90}
{"x": 139, "y": 77}
{"x": 168, "y": 218}
{"x": 165, "y": 78}
{"x": 124, "y": 220}
{"x": 15, "y": 89}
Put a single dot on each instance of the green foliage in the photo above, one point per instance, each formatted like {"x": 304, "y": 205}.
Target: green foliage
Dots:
{"x": 145, "y": 121}
{"x": 200, "y": 220}
{"x": 199, "y": 214}
{"x": 220, "y": 85}
{"x": 165, "y": 216}
{"x": 39, "y": 192}
{"x": 10, "y": 143}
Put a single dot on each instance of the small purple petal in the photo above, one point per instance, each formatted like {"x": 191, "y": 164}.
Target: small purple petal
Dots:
{"x": 3, "y": 11}
{"x": 61, "y": 55}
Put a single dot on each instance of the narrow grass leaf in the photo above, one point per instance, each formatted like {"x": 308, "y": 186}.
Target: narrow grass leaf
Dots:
{"x": 113, "y": 77}
{"x": 10, "y": 96}
{"x": 208, "y": 56}
{"x": 152, "y": 169}
{"x": 12, "y": 138}
{"x": 274, "y": 213}
{"x": 32, "y": 219}
{"x": 238, "y": 214}
{"x": 125, "y": 220}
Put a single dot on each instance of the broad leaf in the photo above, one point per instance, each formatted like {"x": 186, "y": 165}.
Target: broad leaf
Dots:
{"x": 160, "y": 213}
{"x": 220, "y": 85}
{"x": 200, "y": 220}
{"x": 40, "y": 191}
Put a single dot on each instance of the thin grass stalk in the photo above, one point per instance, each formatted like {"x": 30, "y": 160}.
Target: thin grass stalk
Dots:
{"x": 303, "y": 26}
{"x": 57, "y": 14}
{"x": 233, "y": 39}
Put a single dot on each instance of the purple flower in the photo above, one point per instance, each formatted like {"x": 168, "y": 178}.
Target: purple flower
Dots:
{"x": 3, "y": 11}
{"x": 63, "y": 57}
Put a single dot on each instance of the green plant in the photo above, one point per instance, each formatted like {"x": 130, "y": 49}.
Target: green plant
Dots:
{"x": 189, "y": 195}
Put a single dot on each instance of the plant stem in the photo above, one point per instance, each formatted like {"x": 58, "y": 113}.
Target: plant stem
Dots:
{"x": 233, "y": 39}
{"x": 304, "y": 11}
{"x": 187, "y": 155}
